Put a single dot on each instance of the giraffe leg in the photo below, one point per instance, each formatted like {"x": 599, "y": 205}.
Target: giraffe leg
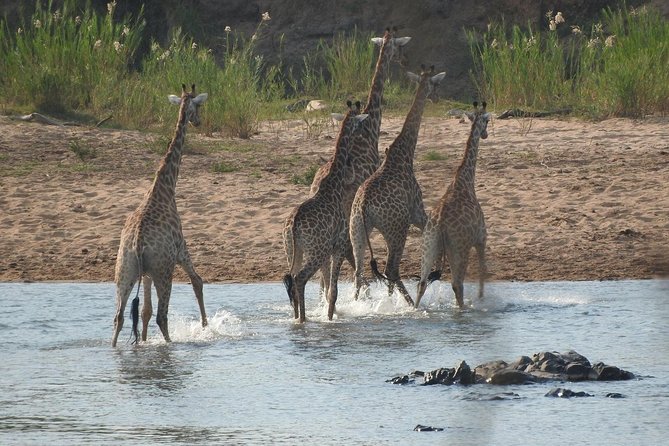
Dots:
{"x": 358, "y": 238}
{"x": 196, "y": 282}
{"x": 337, "y": 261}
{"x": 458, "y": 270}
{"x": 163, "y": 290}
{"x": 483, "y": 271}
{"x": 301, "y": 279}
{"x": 325, "y": 279}
{"x": 147, "y": 309}
{"x": 431, "y": 256}
{"x": 126, "y": 273}
{"x": 392, "y": 271}
{"x": 122, "y": 293}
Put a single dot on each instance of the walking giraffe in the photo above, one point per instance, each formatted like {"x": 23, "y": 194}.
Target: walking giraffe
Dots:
{"x": 315, "y": 233}
{"x": 152, "y": 241}
{"x": 456, "y": 224}
{"x": 391, "y": 199}
{"x": 364, "y": 147}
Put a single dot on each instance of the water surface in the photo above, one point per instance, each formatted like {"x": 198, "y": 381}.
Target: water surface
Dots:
{"x": 253, "y": 376}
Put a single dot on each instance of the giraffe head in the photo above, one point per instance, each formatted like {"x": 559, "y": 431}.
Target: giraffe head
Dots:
{"x": 191, "y": 101}
{"x": 391, "y": 45}
{"x": 429, "y": 80}
{"x": 480, "y": 119}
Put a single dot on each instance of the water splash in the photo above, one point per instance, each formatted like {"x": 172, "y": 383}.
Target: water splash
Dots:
{"x": 223, "y": 324}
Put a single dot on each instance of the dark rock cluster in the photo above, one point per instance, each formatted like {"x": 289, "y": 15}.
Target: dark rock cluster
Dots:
{"x": 540, "y": 367}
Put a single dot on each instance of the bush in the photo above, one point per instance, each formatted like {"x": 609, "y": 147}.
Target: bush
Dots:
{"x": 620, "y": 69}
{"x": 60, "y": 61}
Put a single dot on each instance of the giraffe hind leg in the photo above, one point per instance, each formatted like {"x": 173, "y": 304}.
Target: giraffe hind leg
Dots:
{"x": 393, "y": 270}
{"x": 147, "y": 308}
{"x": 126, "y": 275}
{"x": 483, "y": 270}
{"x": 163, "y": 290}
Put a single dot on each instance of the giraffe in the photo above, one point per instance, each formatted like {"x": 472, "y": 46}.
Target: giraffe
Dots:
{"x": 152, "y": 241}
{"x": 456, "y": 224}
{"x": 391, "y": 200}
{"x": 364, "y": 147}
{"x": 315, "y": 233}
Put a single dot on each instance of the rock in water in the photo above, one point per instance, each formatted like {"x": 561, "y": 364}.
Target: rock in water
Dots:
{"x": 559, "y": 392}
{"x": 421, "y": 428}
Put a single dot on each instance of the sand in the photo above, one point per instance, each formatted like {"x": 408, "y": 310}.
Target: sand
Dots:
{"x": 563, "y": 199}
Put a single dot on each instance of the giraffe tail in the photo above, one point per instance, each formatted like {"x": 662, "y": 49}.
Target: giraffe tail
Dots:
{"x": 288, "y": 283}
{"x": 372, "y": 263}
{"x": 134, "y": 306}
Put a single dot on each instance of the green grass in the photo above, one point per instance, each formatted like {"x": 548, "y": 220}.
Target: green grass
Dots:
{"x": 225, "y": 167}
{"x": 86, "y": 64}
{"x": 619, "y": 68}
{"x": 306, "y": 177}
{"x": 63, "y": 59}
{"x": 433, "y": 155}
{"x": 82, "y": 152}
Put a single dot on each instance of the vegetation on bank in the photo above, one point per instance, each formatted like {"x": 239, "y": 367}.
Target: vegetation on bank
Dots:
{"x": 74, "y": 61}
{"x": 619, "y": 68}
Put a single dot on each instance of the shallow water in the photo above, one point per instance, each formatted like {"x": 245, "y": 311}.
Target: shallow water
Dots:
{"x": 255, "y": 377}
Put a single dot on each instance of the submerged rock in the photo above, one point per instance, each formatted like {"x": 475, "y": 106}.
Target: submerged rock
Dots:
{"x": 611, "y": 373}
{"x": 421, "y": 428}
{"x": 462, "y": 374}
{"x": 559, "y": 392}
{"x": 510, "y": 376}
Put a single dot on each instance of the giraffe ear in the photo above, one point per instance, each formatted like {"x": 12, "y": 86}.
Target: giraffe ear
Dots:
{"x": 176, "y": 100}
{"x": 470, "y": 115}
{"x": 337, "y": 116}
{"x": 361, "y": 117}
{"x": 377, "y": 40}
{"x": 413, "y": 76}
{"x": 438, "y": 77}
{"x": 401, "y": 41}
{"x": 200, "y": 99}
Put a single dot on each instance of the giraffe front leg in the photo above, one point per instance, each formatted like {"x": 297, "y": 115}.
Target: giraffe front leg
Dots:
{"x": 197, "y": 284}
{"x": 147, "y": 308}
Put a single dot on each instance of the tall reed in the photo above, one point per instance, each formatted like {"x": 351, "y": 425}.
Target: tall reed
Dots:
{"x": 621, "y": 68}
{"x": 61, "y": 59}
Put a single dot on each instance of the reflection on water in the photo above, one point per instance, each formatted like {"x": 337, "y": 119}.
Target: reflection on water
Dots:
{"x": 152, "y": 367}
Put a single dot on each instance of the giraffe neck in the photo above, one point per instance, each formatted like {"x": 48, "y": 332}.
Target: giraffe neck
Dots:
{"x": 168, "y": 172}
{"x": 373, "y": 108}
{"x": 465, "y": 176}
{"x": 401, "y": 151}
{"x": 334, "y": 181}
